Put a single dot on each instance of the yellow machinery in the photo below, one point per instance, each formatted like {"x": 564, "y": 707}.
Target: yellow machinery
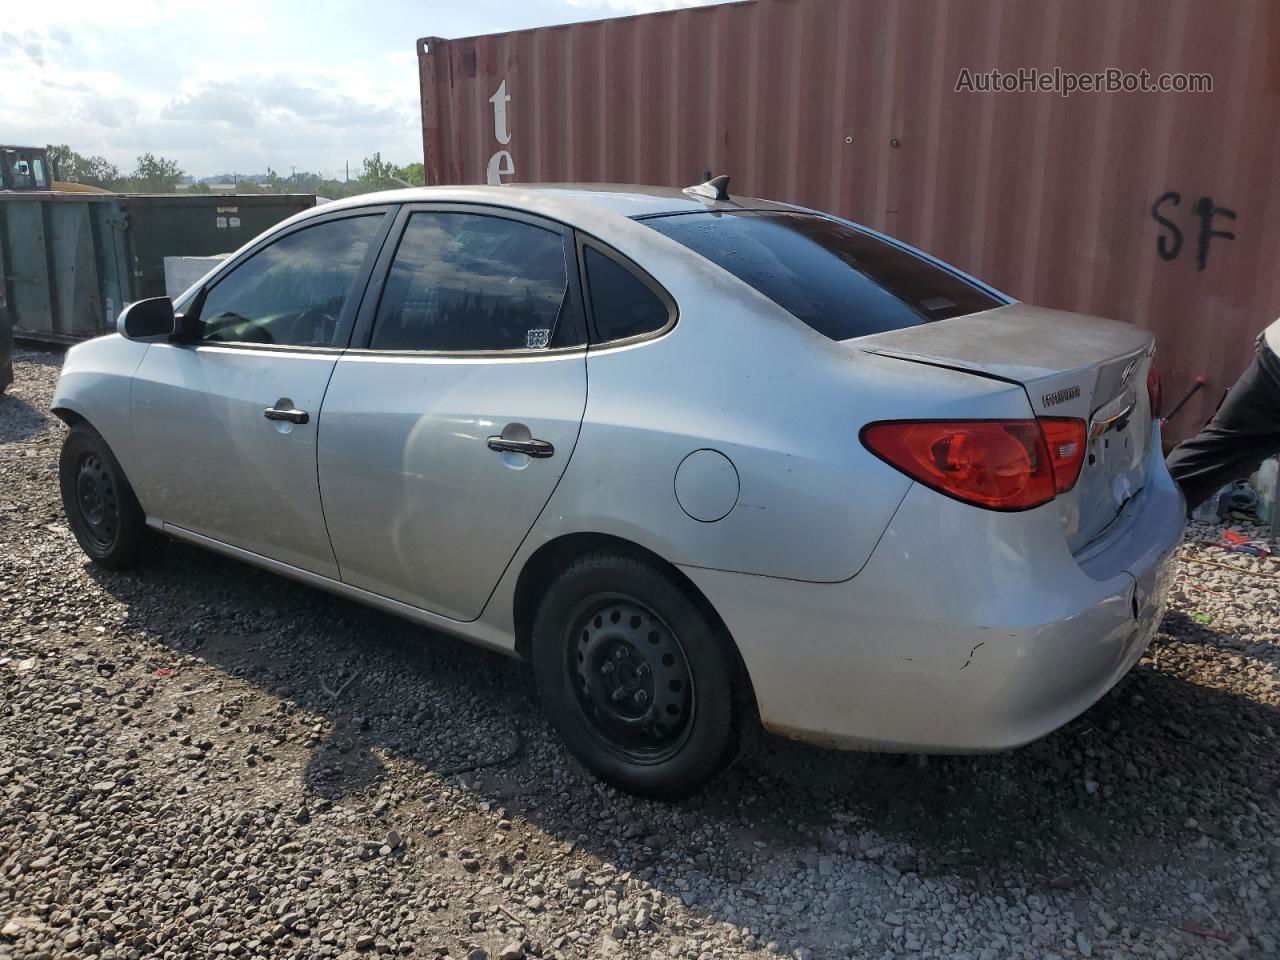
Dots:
{"x": 31, "y": 168}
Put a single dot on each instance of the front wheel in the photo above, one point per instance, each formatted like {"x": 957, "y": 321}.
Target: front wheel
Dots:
{"x": 103, "y": 512}
{"x": 639, "y": 682}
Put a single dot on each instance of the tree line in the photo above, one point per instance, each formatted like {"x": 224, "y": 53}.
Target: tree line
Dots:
{"x": 156, "y": 174}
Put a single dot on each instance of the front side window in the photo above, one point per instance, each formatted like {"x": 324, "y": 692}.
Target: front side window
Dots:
{"x": 467, "y": 282}
{"x": 841, "y": 281}
{"x": 292, "y": 292}
{"x": 622, "y": 305}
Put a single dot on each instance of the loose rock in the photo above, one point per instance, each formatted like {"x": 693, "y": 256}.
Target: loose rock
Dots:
{"x": 175, "y": 781}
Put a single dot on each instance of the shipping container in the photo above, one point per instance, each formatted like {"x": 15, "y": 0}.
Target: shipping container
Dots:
{"x": 1153, "y": 207}
{"x": 70, "y": 261}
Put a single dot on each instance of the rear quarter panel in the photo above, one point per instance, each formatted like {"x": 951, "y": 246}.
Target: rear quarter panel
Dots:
{"x": 740, "y": 375}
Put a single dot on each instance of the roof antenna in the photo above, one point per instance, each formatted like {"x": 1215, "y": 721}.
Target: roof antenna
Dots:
{"x": 714, "y": 188}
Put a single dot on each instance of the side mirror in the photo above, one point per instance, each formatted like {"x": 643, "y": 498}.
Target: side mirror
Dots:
{"x": 150, "y": 319}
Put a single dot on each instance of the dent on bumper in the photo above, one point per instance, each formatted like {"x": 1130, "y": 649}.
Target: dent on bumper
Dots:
{"x": 968, "y": 631}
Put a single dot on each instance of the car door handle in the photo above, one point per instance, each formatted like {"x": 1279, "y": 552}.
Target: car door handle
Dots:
{"x": 538, "y": 449}
{"x": 291, "y": 414}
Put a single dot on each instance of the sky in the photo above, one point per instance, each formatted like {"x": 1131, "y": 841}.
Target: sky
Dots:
{"x": 235, "y": 86}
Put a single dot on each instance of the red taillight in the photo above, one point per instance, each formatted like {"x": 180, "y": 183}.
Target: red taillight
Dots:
{"x": 997, "y": 464}
{"x": 1153, "y": 388}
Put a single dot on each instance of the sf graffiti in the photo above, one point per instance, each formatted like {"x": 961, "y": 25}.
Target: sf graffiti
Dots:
{"x": 1169, "y": 245}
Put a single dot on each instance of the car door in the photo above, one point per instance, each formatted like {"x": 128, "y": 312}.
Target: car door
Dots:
{"x": 226, "y": 424}
{"x": 449, "y": 423}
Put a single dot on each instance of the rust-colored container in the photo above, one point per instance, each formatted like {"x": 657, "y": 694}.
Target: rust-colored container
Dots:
{"x": 1158, "y": 208}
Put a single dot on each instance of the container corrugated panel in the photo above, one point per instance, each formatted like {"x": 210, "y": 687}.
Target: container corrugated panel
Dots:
{"x": 1108, "y": 203}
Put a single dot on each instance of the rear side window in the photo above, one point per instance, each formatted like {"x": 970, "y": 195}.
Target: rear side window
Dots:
{"x": 465, "y": 282}
{"x": 839, "y": 280}
{"x": 622, "y": 304}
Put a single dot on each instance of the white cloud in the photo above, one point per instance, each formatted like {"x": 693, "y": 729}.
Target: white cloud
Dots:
{"x": 105, "y": 110}
{"x": 240, "y": 85}
{"x": 237, "y": 112}
{"x": 88, "y": 14}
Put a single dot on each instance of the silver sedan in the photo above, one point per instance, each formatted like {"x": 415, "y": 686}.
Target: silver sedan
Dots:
{"x": 708, "y": 462}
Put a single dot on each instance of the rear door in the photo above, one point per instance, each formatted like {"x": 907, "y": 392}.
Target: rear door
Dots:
{"x": 226, "y": 425}
{"x": 449, "y": 423}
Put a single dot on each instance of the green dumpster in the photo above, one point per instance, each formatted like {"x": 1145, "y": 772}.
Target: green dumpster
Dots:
{"x": 70, "y": 261}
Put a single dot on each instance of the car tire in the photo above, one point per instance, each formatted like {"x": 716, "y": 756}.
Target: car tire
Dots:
{"x": 100, "y": 505}
{"x": 640, "y": 682}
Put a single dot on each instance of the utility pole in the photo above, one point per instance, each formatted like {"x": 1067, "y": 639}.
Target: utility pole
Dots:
{"x": 347, "y": 175}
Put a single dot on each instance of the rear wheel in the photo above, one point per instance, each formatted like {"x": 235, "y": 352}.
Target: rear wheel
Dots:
{"x": 637, "y": 679}
{"x": 103, "y": 512}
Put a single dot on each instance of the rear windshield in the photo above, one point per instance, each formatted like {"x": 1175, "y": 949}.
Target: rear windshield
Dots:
{"x": 839, "y": 280}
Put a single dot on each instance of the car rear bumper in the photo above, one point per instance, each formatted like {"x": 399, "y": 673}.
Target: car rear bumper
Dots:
{"x": 967, "y": 631}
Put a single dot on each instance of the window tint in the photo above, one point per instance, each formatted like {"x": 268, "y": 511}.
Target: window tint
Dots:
{"x": 293, "y": 291}
{"x": 622, "y": 305}
{"x": 839, "y": 280}
{"x": 464, "y": 281}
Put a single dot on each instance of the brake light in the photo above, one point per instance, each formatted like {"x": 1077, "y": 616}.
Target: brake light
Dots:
{"x": 1153, "y": 388}
{"x": 996, "y": 464}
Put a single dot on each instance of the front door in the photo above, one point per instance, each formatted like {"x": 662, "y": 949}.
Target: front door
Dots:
{"x": 445, "y": 433}
{"x": 226, "y": 426}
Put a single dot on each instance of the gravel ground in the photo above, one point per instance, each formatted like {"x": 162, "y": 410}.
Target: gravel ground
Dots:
{"x": 200, "y": 759}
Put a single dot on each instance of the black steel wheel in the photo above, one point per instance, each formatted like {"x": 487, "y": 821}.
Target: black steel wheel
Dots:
{"x": 103, "y": 513}
{"x": 96, "y": 501}
{"x": 637, "y": 677}
{"x": 634, "y": 684}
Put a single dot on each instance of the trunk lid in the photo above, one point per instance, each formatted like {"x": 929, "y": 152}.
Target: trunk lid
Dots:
{"x": 1071, "y": 365}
